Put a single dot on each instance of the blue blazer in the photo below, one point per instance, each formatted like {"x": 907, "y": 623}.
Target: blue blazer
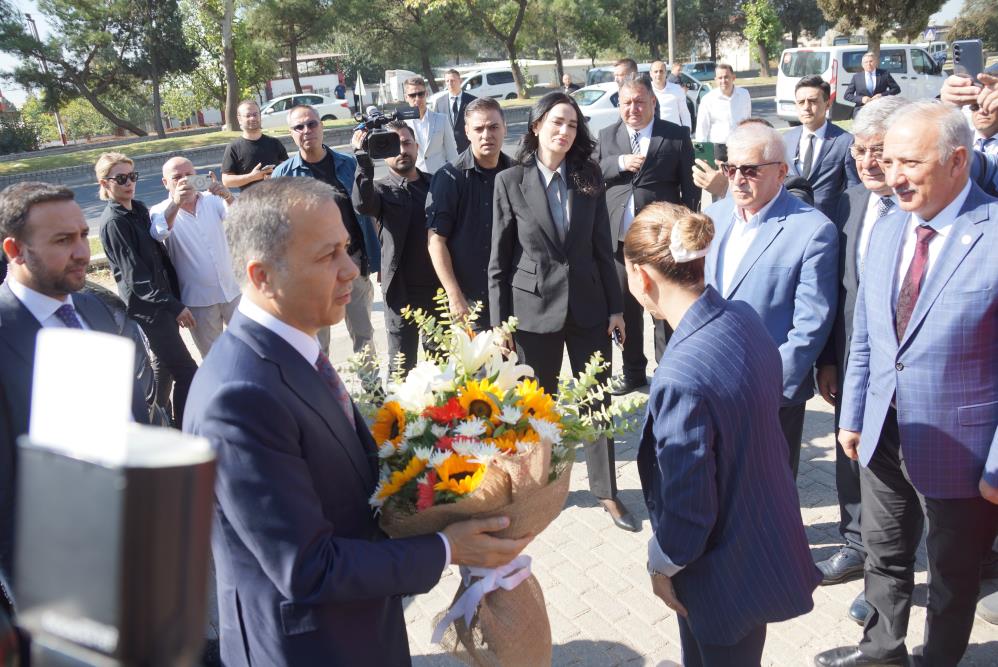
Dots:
{"x": 721, "y": 498}
{"x": 305, "y": 577}
{"x": 943, "y": 374}
{"x": 789, "y": 276}
{"x": 834, "y": 168}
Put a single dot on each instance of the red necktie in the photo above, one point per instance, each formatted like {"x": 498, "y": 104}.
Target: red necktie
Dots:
{"x": 332, "y": 380}
{"x": 912, "y": 284}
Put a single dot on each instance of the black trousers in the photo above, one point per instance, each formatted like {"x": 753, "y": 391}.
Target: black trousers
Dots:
{"x": 847, "y": 489}
{"x": 746, "y": 653}
{"x": 961, "y": 533}
{"x": 544, "y": 352}
{"x": 403, "y": 334}
{"x": 792, "y": 423}
{"x": 170, "y": 359}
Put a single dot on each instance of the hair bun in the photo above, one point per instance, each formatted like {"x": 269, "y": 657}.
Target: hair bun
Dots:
{"x": 695, "y": 231}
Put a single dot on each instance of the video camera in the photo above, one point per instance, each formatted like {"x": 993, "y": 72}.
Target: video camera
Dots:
{"x": 379, "y": 142}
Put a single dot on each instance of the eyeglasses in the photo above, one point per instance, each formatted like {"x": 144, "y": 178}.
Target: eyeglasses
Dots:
{"x": 748, "y": 170}
{"x": 307, "y": 125}
{"x": 875, "y": 151}
{"x": 122, "y": 179}
{"x": 418, "y": 93}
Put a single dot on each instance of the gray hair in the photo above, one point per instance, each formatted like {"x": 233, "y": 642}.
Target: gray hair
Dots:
{"x": 869, "y": 54}
{"x": 16, "y": 202}
{"x": 871, "y": 120}
{"x": 954, "y": 131}
{"x": 299, "y": 107}
{"x": 639, "y": 84}
{"x": 258, "y": 225}
{"x": 752, "y": 136}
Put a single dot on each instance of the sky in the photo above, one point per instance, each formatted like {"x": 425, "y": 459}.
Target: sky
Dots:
{"x": 16, "y": 95}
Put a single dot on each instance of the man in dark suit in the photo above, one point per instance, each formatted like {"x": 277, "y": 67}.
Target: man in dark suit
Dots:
{"x": 567, "y": 86}
{"x": 44, "y": 235}
{"x": 305, "y": 576}
{"x": 452, "y": 105}
{"x": 817, "y": 150}
{"x": 643, "y": 159}
{"x": 870, "y": 84}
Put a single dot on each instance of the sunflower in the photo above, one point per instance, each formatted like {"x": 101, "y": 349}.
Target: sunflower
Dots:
{"x": 389, "y": 424}
{"x": 399, "y": 479}
{"x": 458, "y": 475}
{"x": 535, "y": 402}
{"x": 481, "y": 398}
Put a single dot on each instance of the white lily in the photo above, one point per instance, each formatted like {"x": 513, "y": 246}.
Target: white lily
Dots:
{"x": 507, "y": 372}
{"x": 473, "y": 353}
{"x": 416, "y": 392}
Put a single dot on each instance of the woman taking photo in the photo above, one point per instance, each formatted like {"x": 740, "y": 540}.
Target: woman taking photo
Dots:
{"x": 551, "y": 266}
{"x": 728, "y": 552}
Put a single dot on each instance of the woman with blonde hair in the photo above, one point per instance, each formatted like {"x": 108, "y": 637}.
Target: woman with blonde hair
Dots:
{"x": 146, "y": 279}
{"x": 728, "y": 553}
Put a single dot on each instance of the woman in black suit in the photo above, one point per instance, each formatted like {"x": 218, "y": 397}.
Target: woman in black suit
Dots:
{"x": 552, "y": 267}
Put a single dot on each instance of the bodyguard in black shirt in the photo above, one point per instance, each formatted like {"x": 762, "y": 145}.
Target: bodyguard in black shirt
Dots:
{"x": 459, "y": 211}
{"x": 147, "y": 281}
{"x": 398, "y": 203}
{"x": 250, "y": 158}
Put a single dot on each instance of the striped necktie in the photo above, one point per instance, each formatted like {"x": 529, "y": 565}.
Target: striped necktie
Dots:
{"x": 335, "y": 384}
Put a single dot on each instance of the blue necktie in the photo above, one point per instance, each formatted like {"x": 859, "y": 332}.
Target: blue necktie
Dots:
{"x": 67, "y": 315}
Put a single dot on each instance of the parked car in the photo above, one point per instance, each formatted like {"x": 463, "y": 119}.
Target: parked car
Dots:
{"x": 496, "y": 83}
{"x": 915, "y": 71}
{"x": 695, "y": 90}
{"x": 701, "y": 70}
{"x": 274, "y": 112}
{"x": 938, "y": 50}
{"x": 598, "y": 102}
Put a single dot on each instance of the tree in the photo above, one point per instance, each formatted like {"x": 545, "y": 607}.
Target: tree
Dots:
{"x": 717, "y": 19}
{"x": 16, "y": 136}
{"x": 646, "y": 21}
{"x": 83, "y": 122}
{"x": 978, "y": 19}
{"x": 162, "y": 50}
{"x": 799, "y": 16}
{"x": 594, "y": 26}
{"x": 231, "y": 107}
{"x": 503, "y": 20}
{"x": 36, "y": 116}
{"x": 762, "y": 26}
{"x": 292, "y": 25}
{"x": 905, "y": 17}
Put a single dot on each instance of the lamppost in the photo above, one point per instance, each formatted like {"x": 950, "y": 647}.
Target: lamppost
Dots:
{"x": 45, "y": 68}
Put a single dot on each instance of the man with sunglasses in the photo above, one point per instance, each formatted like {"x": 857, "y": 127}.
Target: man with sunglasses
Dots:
{"x": 316, "y": 160}
{"x": 779, "y": 255}
{"x": 433, "y": 131}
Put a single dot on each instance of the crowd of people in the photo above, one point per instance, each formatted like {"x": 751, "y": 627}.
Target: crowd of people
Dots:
{"x": 859, "y": 265}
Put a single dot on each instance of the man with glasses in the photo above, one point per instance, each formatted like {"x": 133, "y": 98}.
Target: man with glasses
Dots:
{"x": 722, "y": 108}
{"x": 252, "y": 157}
{"x": 779, "y": 255}
{"x": 453, "y": 105}
{"x": 316, "y": 160}
{"x": 434, "y": 134}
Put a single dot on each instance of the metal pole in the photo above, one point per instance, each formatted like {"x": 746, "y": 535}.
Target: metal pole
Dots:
{"x": 672, "y": 34}
{"x": 45, "y": 68}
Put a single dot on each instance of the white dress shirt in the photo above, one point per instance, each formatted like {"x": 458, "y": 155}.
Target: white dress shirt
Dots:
{"x": 719, "y": 114}
{"x": 42, "y": 307}
{"x": 871, "y": 82}
{"x": 737, "y": 243}
{"x": 819, "y": 141}
{"x": 869, "y": 220}
{"x": 450, "y": 106}
{"x": 644, "y": 141}
{"x": 990, "y": 143}
{"x": 308, "y": 347}
{"x": 199, "y": 250}
{"x": 672, "y": 104}
{"x": 943, "y": 224}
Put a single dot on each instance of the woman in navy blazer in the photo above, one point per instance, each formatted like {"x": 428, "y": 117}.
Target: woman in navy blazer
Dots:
{"x": 728, "y": 554}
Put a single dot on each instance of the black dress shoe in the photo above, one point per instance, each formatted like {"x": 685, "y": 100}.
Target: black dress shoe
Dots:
{"x": 622, "y": 517}
{"x": 844, "y": 565}
{"x": 621, "y": 384}
{"x": 860, "y": 609}
{"x": 850, "y": 656}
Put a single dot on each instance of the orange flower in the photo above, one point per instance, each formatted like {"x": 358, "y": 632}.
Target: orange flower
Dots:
{"x": 458, "y": 475}
{"x": 389, "y": 424}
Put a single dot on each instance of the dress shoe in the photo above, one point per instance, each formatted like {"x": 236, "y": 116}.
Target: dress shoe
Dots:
{"x": 987, "y": 608}
{"x": 622, "y": 517}
{"x": 850, "y": 656}
{"x": 621, "y": 384}
{"x": 860, "y": 609}
{"x": 844, "y": 565}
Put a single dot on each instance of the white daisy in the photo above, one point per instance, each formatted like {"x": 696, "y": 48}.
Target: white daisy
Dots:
{"x": 386, "y": 450}
{"x": 416, "y": 427}
{"x": 510, "y": 415}
{"x": 471, "y": 428}
{"x": 548, "y": 431}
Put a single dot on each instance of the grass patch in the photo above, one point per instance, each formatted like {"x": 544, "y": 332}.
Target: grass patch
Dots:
{"x": 752, "y": 81}
{"x": 96, "y": 247}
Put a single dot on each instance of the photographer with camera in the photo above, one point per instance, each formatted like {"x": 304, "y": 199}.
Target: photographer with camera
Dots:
{"x": 397, "y": 201}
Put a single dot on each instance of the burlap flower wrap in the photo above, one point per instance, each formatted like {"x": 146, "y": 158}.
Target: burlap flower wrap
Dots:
{"x": 508, "y": 627}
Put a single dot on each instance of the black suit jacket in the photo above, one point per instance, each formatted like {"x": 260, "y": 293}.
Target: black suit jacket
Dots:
{"x": 443, "y": 106}
{"x": 666, "y": 175}
{"x": 857, "y": 90}
{"x": 18, "y": 329}
{"x": 536, "y": 277}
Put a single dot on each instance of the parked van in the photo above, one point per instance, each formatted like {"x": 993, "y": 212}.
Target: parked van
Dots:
{"x": 497, "y": 83}
{"x": 915, "y": 71}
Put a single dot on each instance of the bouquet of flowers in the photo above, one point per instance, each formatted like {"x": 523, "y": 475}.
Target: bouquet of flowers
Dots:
{"x": 469, "y": 434}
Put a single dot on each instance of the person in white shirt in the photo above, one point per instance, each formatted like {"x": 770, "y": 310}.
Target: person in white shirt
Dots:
{"x": 190, "y": 223}
{"x": 434, "y": 133}
{"x": 671, "y": 97}
{"x": 722, "y": 108}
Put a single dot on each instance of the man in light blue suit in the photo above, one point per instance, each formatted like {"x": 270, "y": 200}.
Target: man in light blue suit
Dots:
{"x": 817, "y": 150}
{"x": 920, "y": 398}
{"x": 780, "y": 256}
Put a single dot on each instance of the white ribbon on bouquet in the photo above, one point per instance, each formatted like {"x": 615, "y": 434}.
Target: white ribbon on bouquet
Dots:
{"x": 507, "y": 577}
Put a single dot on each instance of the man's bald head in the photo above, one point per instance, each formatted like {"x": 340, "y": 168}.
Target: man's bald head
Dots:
{"x": 175, "y": 170}
{"x": 174, "y": 163}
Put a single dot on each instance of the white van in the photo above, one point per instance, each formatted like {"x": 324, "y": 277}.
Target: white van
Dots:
{"x": 915, "y": 71}
{"x": 494, "y": 82}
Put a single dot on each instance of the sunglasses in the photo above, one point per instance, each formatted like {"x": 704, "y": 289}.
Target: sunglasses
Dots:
{"x": 307, "y": 125}
{"x": 748, "y": 170}
{"x": 122, "y": 179}
{"x": 421, "y": 93}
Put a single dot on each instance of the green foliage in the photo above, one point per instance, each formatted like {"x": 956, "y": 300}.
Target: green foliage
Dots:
{"x": 717, "y": 19}
{"x": 291, "y": 25}
{"x": 16, "y": 136}
{"x": 978, "y": 19}
{"x": 763, "y": 27}
{"x": 906, "y": 18}
{"x": 799, "y": 16}
{"x": 36, "y": 116}
{"x": 81, "y": 121}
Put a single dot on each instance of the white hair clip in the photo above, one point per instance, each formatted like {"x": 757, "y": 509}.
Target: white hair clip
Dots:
{"x": 679, "y": 253}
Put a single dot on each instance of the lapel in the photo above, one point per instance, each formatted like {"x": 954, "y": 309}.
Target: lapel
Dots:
{"x": 722, "y": 222}
{"x": 654, "y": 146}
{"x": 304, "y": 381}
{"x": 536, "y": 199}
{"x": 17, "y": 325}
{"x": 704, "y": 309}
{"x": 852, "y": 230}
{"x": 768, "y": 231}
{"x": 580, "y": 206}
{"x": 826, "y": 146}
{"x": 953, "y": 252}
